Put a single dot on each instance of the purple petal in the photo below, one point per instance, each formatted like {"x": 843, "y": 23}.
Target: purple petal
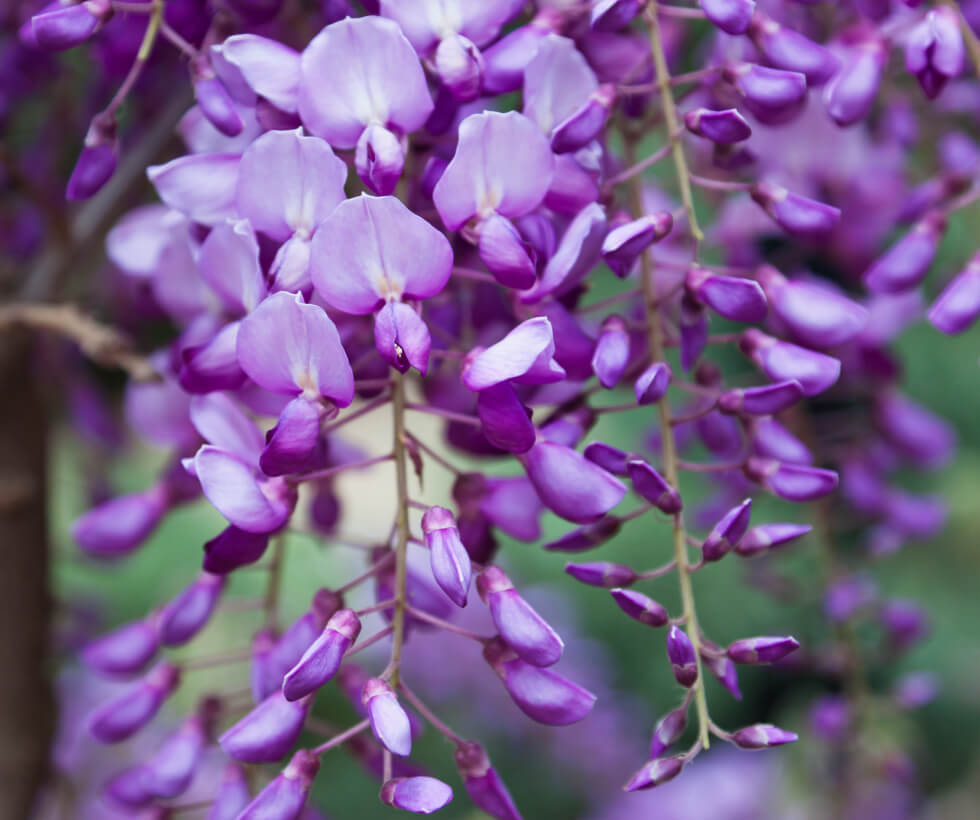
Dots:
{"x": 201, "y": 186}
{"x": 266, "y": 733}
{"x": 389, "y": 722}
{"x": 569, "y": 484}
{"x": 525, "y": 355}
{"x": 182, "y": 618}
{"x": 520, "y": 626}
{"x": 402, "y": 337}
{"x": 419, "y": 795}
{"x": 229, "y": 263}
{"x": 269, "y": 68}
{"x": 505, "y": 420}
{"x": 232, "y": 487}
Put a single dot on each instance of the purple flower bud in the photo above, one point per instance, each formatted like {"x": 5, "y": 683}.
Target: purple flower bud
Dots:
{"x": 459, "y": 64}
{"x": 185, "y": 616}
{"x": 126, "y": 714}
{"x": 505, "y": 61}
{"x": 543, "y": 695}
{"x": 668, "y": 731}
{"x": 233, "y": 548}
{"x": 651, "y": 385}
{"x": 585, "y": 123}
{"x": 586, "y": 538}
{"x": 653, "y": 486}
{"x": 765, "y": 537}
{"x": 921, "y": 435}
{"x": 68, "y": 26}
{"x": 851, "y": 93}
{"x": 611, "y": 459}
{"x": 525, "y": 356}
{"x": 958, "y": 306}
{"x": 215, "y": 103}
{"x": 520, "y": 626}
{"x": 731, "y": 16}
{"x": 505, "y": 253}
{"x": 640, "y": 607}
{"x": 761, "y": 401}
{"x": 379, "y": 158}
{"x": 793, "y": 482}
{"x": 934, "y": 50}
{"x": 771, "y": 440}
{"x": 613, "y": 15}
{"x": 722, "y": 669}
{"x": 915, "y": 690}
{"x": 795, "y": 214}
{"x": 267, "y": 732}
{"x": 655, "y": 773}
{"x": 680, "y": 653}
{"x": 213, "y": 365}
{"x": 505, "y": 419}
{"x": 295, "y": 444}
{"x": 124, "y": 651}
{"x": 120, "y": 525}
{"x": 727, "y": 532}
{"x": 96, "y": 163}
{"x": 420, "y": 795}
{"x": 905, "y": 264}
{"x": 402, "y": 337}
{"x": 790, "y": 50}
{"x": 722, "y": 127}
{"x": 285, "y": 797}
{"x": 733, "y": 297}
{"x": 602, "y": 574}
{"x": 905, "y": 623}
{"x": 483, "y": 784}
{"x": 762, "y": 650}
{"x": 773, "y": 96}
{"x": 762, "y": 736}
{"x": 612, "y": 352}
{"x": 447, "y": 556}
{"x": 694, "y": 331}
{"x": 322, "y": 659}
{"x": 232, "y": 796}
{"x": 624, "y": 244}
{"x": 389, "y": 721}
{"x": 782, "y": 361}
{"x": 169, "y": 772}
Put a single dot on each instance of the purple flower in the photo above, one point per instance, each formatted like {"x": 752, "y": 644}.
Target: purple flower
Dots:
{"x": 655, "y": 773}
{"x": 731, "y": 16}
{"x": 790, "y": 50}
{"x": 232, "y": 795}
{"x": 733, "y": 297}
{"x": 651, "y": 385}
{"x": 389, "y": 721}
{"x": 905, "y": 264}
{"x": 934, "y": 50}
{"x": 68, "y": 26}
{"x": 129, "y": 712}
{"x": 624, "y": 243}
{"x": 420, "y": 795}
{"x": 640, "y": 607}
{"x": 569, "y": 484}
{"x": 524, "y": 356}
{"x": 201, "y": 186}
{"x": 170, "y": 770}
{"x": 520, "y": 626}
{"x": 724, "y": 127}
{"x": 727, "y": 532}
{"x": 266, "y": 733}
{"x": 612, "y": 352}
{"x": 761, "y": 401}
{"x": 762, "y": 650}
{"x": 769, "y": 536}
{"x": 797, "y": 215}
{"x": 601, "y": 574}
{"x": 794, "y": 482}
{"x": 448, "y": 558}
{"x": 683, "y": 661}
{"x": 322, "y": 658}
{"x": 653, "y": 486}
{"x": 958, "y": 306}
{"x": 762, "y": 736}
{"x": 120, "y": 525}
{"x": 483, "y": 784}
{"x": 285, "y": 797}
{"x": 772, "y": 95}
{"x": 124, "y": 651}
{"x": 668, "y": 730}
{"x": 852, "y": 91}
{"x": 782, "y": 361}
{"x": 185, "y": 616}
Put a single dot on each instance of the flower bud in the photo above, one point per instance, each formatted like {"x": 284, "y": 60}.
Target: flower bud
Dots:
{"x": 773, "y": 96}
{"x": 505, "y": 419}
{"x": 762, "y": 650}
{"x": 506, "y": 59}
{"x": 851, "y": 93}
{"x": 169, "y": 772}
{"x": 126, "y": 714}
{"x": 653, "y": 487}
{"x": 459, "y": 64}
{"x": 97, "y": 162}
{"x": 612, "y": 352}
{"x": 762, "y": 736}
{"x": 958, "y": 306}
{"x": 668, "y": 730}
{"x": 611, "y": 459}
{"x": 725, "y": 127}
{"x": 761, "y": 401}
{"x": 233, "y": 548}
{"x": 67, "y": 26}
{"x": 120, "y": 525}
{"x": 402, "y": 337}
{"x": 420, "y": 795}
{"x": 520, "y": 626}
{"x": 232, "y": 795}
{"x": 797, "y": 215}
{"x": 731, "y": 16}
{"x": 727, "y": 532}
{"x": 783, "y": 361}
{"x": 651, "y": 385}
{"x": 655, "y": 773}
{"x": 830, "y": 717}
{"x": 765, "y": 537}
{"x": 296, "y": 444}
{"x": 722, "y": 669}
{"x": 483, "y": 784}
{"x": 790, "y": 50}
{"x": 266, "y": 733}
{"x": 379, "y": 158}
{"x": 624, "y": 244}
{"x": 793, "y": 482}
{"x": 680, "y": 653}
{"x": 920, "y": 435}
{"x": 213, "y": 99}
{"x": 322, "y": 659}
{"x": 613, "y": 15}
{"x": 389, "y": 721}
{"x": 905, "y": 264}
{"x": 640, "y": 607}
{"x": 934, "y": 50}
{"x": 448, "y": 558}
{"x": 585, "y": 123}
{"x": 588, "y": 537}
{"x": 905, "y": 623}
{"x": 286, "y": 795}
{"x": 771, "y": 440}
{"x": 543, "y": 695}
{"x": 185, "y": 616}
{"x": 602, "y": 574}
{"x": 733, "y": 297}
{"x": 507, "y": 256}
{"x": 124, "y": 651}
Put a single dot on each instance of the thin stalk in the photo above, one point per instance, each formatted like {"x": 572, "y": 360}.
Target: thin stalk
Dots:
{"x": 336, "y": 740}
{"x": 429, "y": 715}
{"x": 271, "y": 602}
{"x": 377, "y": 636}
{"x": 449, "y": 626}
{"x": 356, "y": 465}
{"x": 136, "y": 69}
{"x": 401, "y": 525}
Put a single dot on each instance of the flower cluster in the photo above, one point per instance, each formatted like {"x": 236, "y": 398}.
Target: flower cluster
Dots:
{"x": 412, "y": 213}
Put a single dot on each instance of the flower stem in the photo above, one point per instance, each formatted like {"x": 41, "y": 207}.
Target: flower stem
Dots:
{"x": 401, "y": 525}
{"x": 344, "y": 736}
{"x": 271, "y": 603}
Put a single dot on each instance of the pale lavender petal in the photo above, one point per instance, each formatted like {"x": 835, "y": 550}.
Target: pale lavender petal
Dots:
{"x": 229, "y": 263}
{"x": 201, "y": 186}
{"x": 525, "y": 355}
{"x": 232, "y": 487}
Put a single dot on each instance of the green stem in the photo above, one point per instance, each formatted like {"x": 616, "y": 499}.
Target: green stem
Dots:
{"x": 401, "y": 523}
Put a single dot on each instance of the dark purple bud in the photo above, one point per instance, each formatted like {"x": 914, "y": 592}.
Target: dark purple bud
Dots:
{"x": 762, "y": 736}
{"x": 295, "y": 444}
{"x": 266, "y": 733}
{"x": 232, "y": 795}
{"x": 793, "y": 482}
{"x": 771, "y": 440}
{"x": 125, "y": 715}
{"x": 694, "y": 331}
{"x": 668, "y": 731}
{"x": 97, "y": 162}
{"x": 543, "y": 695}
{"x": 934, "y": 50}
{"x": 640, "y": 607}
{"x": 507, "y": 256}
{"x": 285, "y": 797}
{"x": 958, "y": 306}
{"x": 680, "y": 653}
{"x": 761, "y": 401}
{"x": 124, "y": 651}
{"x": 797, "y": 215}
{"x": 727, "y": 532}
{"x": 765, "y": 537}
{"x": 851, "y": 93}
{"x": 215, "y": 103}
{"x": 402, "y": 337}
{"x": 233, "y": 548}
{"x": 783, "y": 361}
{"x": 585, "y": 123}
{"x": 653, "y": 486}
{"x": 520, "y": 626}
{"x": 612, "y": 352}
{"x": 420, "y": 795}
{"x": 506, "y": 420}
{"x": 722, "y": 127}
{"x": 762, "y": 650}
{"x": 904, "y": 622}
{"x": 773, "y": 96}
{"x": 733, "y": 297}
{"x": 120, "y": 525}
{"x": 170, "y": 770}
{"x": 830, "y": 717}
{"x": 214, "y": 365}
{"x": 915, "y": 690}
{"x": 389, "y": 721}
{"x": 905, "y": 264}
{"x": 602, "y": 574}
{"x": 624, "y": 244}
{"x": 613, "y": 15}
{"x": 322, "y": 659}
{"x": 483, "y": 784}
{"x": 379, "y": 158}
{"x": 459, "y": 64}
{"x": 651, "y": 385}
{"x": 185, "y": 616}
{"x": 731, "y": 16}
{"x": 586, "y": 538}
{"x": 655, "y": 772}
{"x": 447, "y": 556}
{"x": 722, "y": 669}
{"x": 65, "y": 27}
{"x": 789, "y": 50}
{"x": 611, "y": 459}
